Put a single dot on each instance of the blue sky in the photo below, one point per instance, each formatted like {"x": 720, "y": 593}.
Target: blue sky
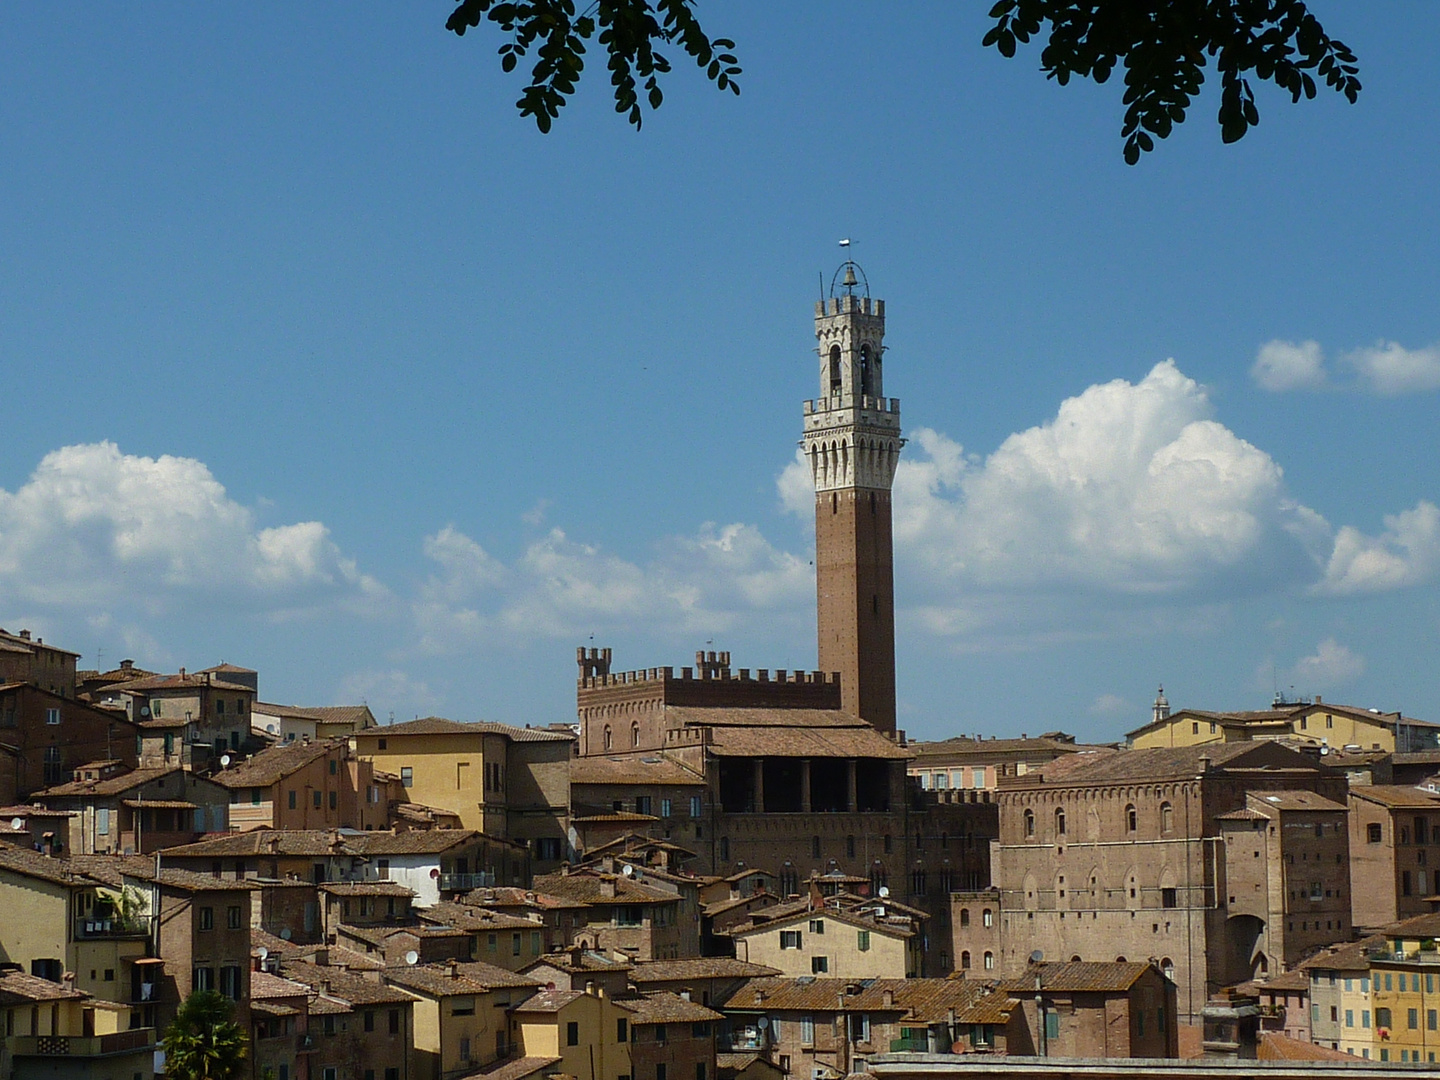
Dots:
{"x": 320, "y": 360}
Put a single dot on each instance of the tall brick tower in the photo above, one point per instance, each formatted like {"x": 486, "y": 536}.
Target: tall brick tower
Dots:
{"x": 852, "y": 441}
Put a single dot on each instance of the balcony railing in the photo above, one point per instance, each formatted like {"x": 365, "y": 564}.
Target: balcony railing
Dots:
{"x": 119, "y": 1042}
{"x": 112, "y": 926}
{"x": 458, "y": 882}
{"x": 919, "y": 1044}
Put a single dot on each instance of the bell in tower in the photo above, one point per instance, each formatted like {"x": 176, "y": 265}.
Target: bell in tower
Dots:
{"x": 852, "y": 443}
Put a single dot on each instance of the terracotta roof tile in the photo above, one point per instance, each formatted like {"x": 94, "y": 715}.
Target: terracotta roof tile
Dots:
{"x": 17, "y": 988}
{"x": 345, "y": 985}
{"x": 437, "y": 725}
{"x": 548, "y": 1001}
{"x": 664, "y": 1007}
{"x": 514, "y": 1068}
{"x": 1395, "y": 795}
{"x": 275, "y": 763}
{"x": 470, "y": 978}
{"x": 586, "y": 888}
{"x": 1079, "y": 976}
{"x": 645, "y": 768}
{"x": 922, "y": 1000}
{"x": 111, "y": 785}
{"x": 703, "y": 967}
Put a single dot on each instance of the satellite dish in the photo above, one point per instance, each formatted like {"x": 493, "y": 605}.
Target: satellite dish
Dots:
{"x": 144, "y": 710}
{"x": 263, "y": 953}
{"x": 17, "y": 823}
{"x": 285, "y": 934}
{"x": 434, "y": 875}
{"x": 411, "y": 956}
{"x": 763, "y": 1023}
{"x": 628, "y": 870}
{"x": 884, "y": 891}
{"x": 1036, "y": 956}
{"x": 224, "y": 761}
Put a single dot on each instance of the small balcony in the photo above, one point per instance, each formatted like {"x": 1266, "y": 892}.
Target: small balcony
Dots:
{"x": 916, "y": 1044}
{"x": 112, "y": 926}
{"x": 119, "y": 1042}
{"x": 466, "y": 882}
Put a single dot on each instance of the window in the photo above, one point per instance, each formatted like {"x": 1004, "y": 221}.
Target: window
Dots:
{"x": 987, "y": 918}
{"x": 207, "y": 918}
{"x": 464, "y": 1049}
{"x": 1059, "y": 821}
{"x": 1052, "y": 1023}
{"x": 965, "y": 916}
{"x": 629, "y": 915}
{"x": 642, "y": 804}
{"x": 102, "y": 821}
{"x": 817, "y": 926}
{"x": 700, "y": 1065}
{"x": 462, "y": 1006}
{"x": 1382, "y": 1018}
{"x": 609, "y": 738}
{"x": 330, "y": 1072}
{"x": 989, "y": 961}
{"x": 1169, "y": 898}
{"x": 634, "y": 735}
{"x": 661, "y": 1036}
{"x": 1132, "y": 819}
{"x": 622, "y": 1032}
{"x": 394, "y": 1025}
{"x": 664, "y": 808}
{"x": 407, "y": 776}
{"x": 515, "y": 944}
{"x": 807, "y": 1031}
{"x": 819, "y": 965}
{"x": 862, "y": 940}
{"x": 369, "y": 1019}
{"x": 232, "y": 917}
{"x": 1029, "y": 822}
{"x": 1406, "y": 886}
{"x": 317, "y": 796}
{"x": 1212, "y": 727}
{"x": 572, "y": 1033}
{"x": 965, "y": 959}
{"x": 203, "y": 978}
{"x": 1167, "y": 817}
{"x": 790, "y": 939}
{"x": 52, "y": 716}
{"x": 694, "y": 805}
{"x": 292, "y": 800}
{"x": 1349, "y": 1018}
{"x": 724, "y": 849}
{"x": 1412, "y": 1019}
{"x": 536, "y": 948}
{"x": 660, "y": 1068}
{"x": 850, "y": 846}
{"x": 1195, "y": 727}
{"x": 815, "y": 847}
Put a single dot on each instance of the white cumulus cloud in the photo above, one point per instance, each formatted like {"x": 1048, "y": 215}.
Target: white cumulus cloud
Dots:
{"x": 558, "y": 587}
{"x": 1406, "y": 553}
{"x": 1331, "y": 665}
{"x": 1389, "y": 368}
{"x": 94, "y": 527}
{"x": 1289, "y": 365}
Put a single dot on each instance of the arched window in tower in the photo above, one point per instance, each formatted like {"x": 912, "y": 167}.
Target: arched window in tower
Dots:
{"x": 1167, "y": 817}
{"x": 964, "y": 916}
{"x": 609, "y": 738}
{"x": 1132, "y": 819}
{"x": 834, "y": 369}
{"x": 865, "y": 389}
{"x": 1059, "y": 821}
{"x": 634, "y": 734}
{"x": 1029, "y": 822}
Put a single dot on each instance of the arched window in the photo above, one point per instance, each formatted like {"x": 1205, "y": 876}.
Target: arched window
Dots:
{"x": 917, "y": 880}
{"x": 1168, "y": 967}
{"x": 865, "y": 387}
{"x": 634, "y": 734}
{"x": 989, "y": 961}
{"x": 609, "y": 738}
{"x": 1059, "y": 821}
{"x": 1119, "y": 959}
{"x": 834, "y": 369}
{"x": 987, "y": 917}
{"x": 964, "y": 916}
{"x": 1075, "y": 959}
{"x": 965, "y": 959}
{"x": 1029, "y": 822}
{"x": 1167, "y": 817}
{"x": 1132, "y": 819}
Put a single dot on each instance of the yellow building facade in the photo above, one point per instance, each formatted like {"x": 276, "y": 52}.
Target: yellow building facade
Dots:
{"x": 586, "y": 1029}
{"x": 1335, "y": 726}
{"x": 443, "y": 763}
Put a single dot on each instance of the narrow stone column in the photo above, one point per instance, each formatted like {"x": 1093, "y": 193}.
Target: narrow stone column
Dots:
{"x": 805, "y": 785}
{"x": 852, "y": 799}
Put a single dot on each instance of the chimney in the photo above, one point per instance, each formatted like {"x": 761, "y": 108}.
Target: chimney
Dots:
{"x": 325, "y": 987}
{"x": 24, "y": 635}
{"x": 590, "y": 987}
{"x": 452, "y": 967}
{"x": 1319, "y": 700}
{"x": 126, "y": 665}
{"x": 607, "y": 887}
{"x": 888, "y": 997}
{"x": 1205, "y": 764}
{"x": 685, "y": 994}
{"x": 68, "y": 980}
{"x": 182, "y": 672}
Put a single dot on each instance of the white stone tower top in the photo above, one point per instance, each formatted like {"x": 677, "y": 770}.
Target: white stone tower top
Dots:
{"x": 852, "y": 431}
